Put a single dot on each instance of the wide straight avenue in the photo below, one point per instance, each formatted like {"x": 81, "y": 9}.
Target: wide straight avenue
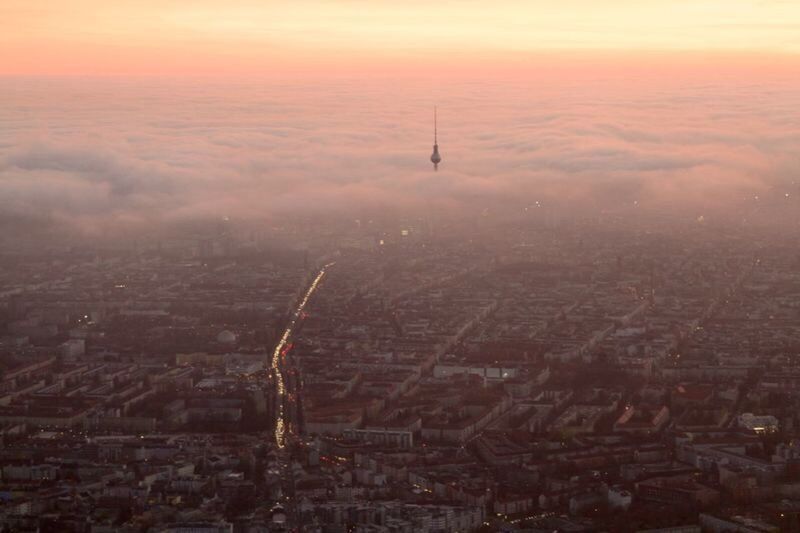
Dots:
{"x": 282, "y": 424}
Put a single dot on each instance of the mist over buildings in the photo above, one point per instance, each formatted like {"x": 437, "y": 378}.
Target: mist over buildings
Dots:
{"x": 97, "y": 156}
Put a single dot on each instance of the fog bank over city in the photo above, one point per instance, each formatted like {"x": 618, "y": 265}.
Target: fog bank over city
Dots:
{"x": 96, "y": 155}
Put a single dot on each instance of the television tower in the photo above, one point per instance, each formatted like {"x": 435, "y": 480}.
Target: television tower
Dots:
{"x": 435, "y": 157}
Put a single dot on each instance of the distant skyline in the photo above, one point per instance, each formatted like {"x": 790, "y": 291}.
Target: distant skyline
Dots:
{"x": 134, "y": 37}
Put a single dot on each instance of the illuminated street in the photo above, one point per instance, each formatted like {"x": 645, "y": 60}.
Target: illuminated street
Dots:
{"x": 280, "y": 349}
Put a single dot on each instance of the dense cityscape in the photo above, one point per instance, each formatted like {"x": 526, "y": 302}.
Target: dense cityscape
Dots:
{"x": 411, "y": 376}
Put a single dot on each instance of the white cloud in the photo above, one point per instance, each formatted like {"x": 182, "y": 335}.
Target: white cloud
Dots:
{"x": 159, "y": 151}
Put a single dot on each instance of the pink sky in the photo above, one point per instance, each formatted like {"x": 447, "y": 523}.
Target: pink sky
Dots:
{"x": 257, "y": 37}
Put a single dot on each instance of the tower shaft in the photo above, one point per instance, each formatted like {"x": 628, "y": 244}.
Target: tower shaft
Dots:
{"x": 435, "y": 157}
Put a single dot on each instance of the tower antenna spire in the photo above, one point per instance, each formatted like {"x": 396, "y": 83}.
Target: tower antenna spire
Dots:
{"x": 435, "y": 157}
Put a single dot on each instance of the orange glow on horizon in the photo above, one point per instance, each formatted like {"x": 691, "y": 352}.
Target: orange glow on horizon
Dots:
{"x": 258, "y": 38}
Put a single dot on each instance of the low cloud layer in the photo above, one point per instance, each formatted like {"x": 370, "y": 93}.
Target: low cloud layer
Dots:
{"x": 95, "y": 154}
